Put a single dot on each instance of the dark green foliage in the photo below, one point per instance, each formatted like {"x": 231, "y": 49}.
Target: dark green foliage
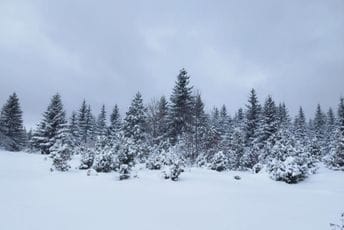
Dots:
{"x": 12, "y": 133}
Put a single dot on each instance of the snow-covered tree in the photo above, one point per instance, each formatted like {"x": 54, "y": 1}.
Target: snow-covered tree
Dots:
{"x": 236, "y": 150}
{"x": 287, "y": 161}
{"x": 125, "y": 157}
{"x": 173, "y": 163}
{"x": 319, "y": 123}
{"x": 335, "y": 159}
{"x": 134, "y": 127}
{"x": 53, "y": 126}
{"x": 199, "y": 128}
{"x": 300, "y": 127}
{"x": 104, "y": 155}
{"x": 181, "y": 107}
{"x": 252, "y": 118}
{"x": 61, "y": 154}
{"x": 269, "y": 125}
{"x": 12, "y": 133}
{"x": 219, "y": 162}
{"x": 101, "y": 126}
{"x": 115, "y": 123}
{"x": 87, "y": 124}
{"x": 87, "y": 157}
{"x": 134, "y": 122}
{"x": 73, "y": 128}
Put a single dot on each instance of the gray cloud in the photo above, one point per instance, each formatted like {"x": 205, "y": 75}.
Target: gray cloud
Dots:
{"x": 104, "y": 51}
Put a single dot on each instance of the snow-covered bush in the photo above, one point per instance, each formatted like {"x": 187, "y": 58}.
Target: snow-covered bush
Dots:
{"x": 104, "y": 162}
{"x": 335, "y": 159}
{"x": 125, "y": 159}
{"x": 288, "y": 160}
{"x": 87, "y": 157}
{"x": 173, "y": 164}
{"x": 61, "y": 154}
{"x": 338, "y": 226}
{"x": 104, "y": 156}
{"x": 291, "y": 170}
{"x": 202, "y": 161}
{"x": 219, "y": 162}
{"x": 155, "y": 161}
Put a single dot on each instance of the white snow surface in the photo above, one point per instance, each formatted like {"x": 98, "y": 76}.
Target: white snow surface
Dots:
{"x": 33, "y": 198}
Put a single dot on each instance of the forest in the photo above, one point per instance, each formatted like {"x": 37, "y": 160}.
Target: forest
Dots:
{"x": 171, "y": 134}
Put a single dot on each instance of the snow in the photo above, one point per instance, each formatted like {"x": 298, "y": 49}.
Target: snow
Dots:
{"x": 33, "y": 198}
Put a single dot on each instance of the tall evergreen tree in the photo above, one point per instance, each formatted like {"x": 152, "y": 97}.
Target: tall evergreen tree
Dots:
{"x": 199, "y": 127}
{"x": 86, "y": 123}
{"x": 252, "y": 119}
{"x": 180, "y": 116}
{"x": 336, "y": 157}
{"x": 115, "y": 123}
{"x": 134, "y": 122}
{"x": 101, "y": 126}
{"x": 269, "y": 125}
{"x": 74, "y": 129}
{"x": 162, "y": 119}
{"x": 319, "y": 123}
{"x": 52, "y": 127}
{"x": 300, "y": 126}
{"x": 12, "y": 135}
{"x": 134, "y": 127}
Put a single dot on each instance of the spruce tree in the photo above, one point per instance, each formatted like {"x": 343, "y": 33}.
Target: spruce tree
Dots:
{"x": 319, "y": 123}
{"x": 12, "y": 135}
{"x": 52, "y": 127}
{"x": 335, "y": 159}
{"x": 180, "y": 116}
{"x": 134, "y": 127}
{"x": 269, "y": 125}
{"x": 162, "y": 129}
{"x": 115, "y": 123}
{"x": 200, "y": 127}
{"x": 87, "y": 124}
{"x": 74, "y": 129}
{"x": 101, "y": 126}
{"x": 300, "y": 127}
{"x": 252, "y": 118}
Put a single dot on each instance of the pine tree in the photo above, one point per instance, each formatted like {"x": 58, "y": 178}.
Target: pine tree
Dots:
{"x": 335, "y": 159}
{"x": 200, "y": 126}
{"x": 319, "y": 124}
{"x": 283, "y": 115}
{"x": 53, "y": 126}
{"x": 12, "y": 135}
{"x": 180, "y": 116}
{"x": 101, "y": 126}
{"x": 287, "y": 161}
{"x": 134, "y": 122}
{"x": 134, "y": 127}
{"x": 329, "y": 131}
{"x": 300, "y": 127}
{"x": 74, "y": 129}
{"x": 269, "y": 125}
{"x": 87, "y": 124}
{"x": 252, "y": 118}
{"x": 236, "y": 150}
{"x": 115, "y": 123}
{"x": 61, "y": 153}
{"x": 162, "y": 129}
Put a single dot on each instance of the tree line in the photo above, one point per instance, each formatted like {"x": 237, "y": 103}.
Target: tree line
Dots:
{"x": 179, "y": 132}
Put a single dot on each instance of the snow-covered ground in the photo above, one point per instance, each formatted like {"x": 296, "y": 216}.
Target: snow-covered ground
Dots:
{"x": 33, "y": 198}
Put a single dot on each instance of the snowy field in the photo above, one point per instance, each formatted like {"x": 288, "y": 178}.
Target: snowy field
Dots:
{"x": 33, "y": 198}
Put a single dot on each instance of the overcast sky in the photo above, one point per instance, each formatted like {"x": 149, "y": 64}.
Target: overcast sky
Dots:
{"x": 105, "y": 51}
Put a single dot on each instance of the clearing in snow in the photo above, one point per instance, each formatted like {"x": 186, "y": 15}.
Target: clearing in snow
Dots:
{"x": 33, "y": 198}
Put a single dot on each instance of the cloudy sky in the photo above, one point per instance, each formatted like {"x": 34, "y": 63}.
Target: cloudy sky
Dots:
{"x": 105, "y": 51}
